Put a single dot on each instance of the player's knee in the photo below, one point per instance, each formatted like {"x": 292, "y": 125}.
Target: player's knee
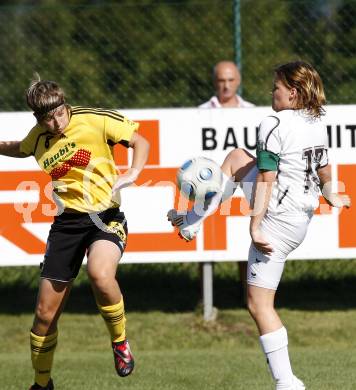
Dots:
{"x": 232, "y": 156}
{"x": 252, "y": 306}
{"x": 93, "y": 276}
{"x": 239, "y": 162}
{"x": 45, "y": 314}
{"x": 100, "y": 277}
{"x": 257, "y": 307}
{"x": 240, "y": 155}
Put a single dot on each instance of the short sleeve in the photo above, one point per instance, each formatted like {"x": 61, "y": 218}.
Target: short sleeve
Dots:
{"x": 119, "y": 129}
{"x": 27, "y": 145}
{"x": 324, "y": 159}
{"x": 268, "y": 144}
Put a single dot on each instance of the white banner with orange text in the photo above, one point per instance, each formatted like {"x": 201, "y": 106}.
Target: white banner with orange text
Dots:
{"x": 27, "y": 209}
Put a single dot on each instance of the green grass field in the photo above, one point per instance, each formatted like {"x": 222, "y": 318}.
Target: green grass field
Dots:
{"x": 174, "y": 348}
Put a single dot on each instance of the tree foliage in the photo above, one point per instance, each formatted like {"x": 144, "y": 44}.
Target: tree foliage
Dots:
{"x": 146, "y": 53}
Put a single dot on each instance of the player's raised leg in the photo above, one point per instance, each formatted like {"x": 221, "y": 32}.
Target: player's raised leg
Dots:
{"x": 103, "y": 257}
{"x": 237, "y": 164}
{"x": 238, "y": 168}
{"x": 43, "y": 337}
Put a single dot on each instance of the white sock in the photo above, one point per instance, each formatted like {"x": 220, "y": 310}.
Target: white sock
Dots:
{"x": 201, "y": 211}
{"x": 275, "y": 346}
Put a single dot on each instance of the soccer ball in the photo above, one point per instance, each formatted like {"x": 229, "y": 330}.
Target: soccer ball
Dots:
{"x": 199, "y": 178}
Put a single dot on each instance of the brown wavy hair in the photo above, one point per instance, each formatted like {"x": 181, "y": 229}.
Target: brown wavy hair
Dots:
{"x": 43, "y": 96}
{"x": 306, "y": 80}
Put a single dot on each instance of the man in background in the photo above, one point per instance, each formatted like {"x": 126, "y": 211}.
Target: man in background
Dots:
{"x": 227, "y": 79}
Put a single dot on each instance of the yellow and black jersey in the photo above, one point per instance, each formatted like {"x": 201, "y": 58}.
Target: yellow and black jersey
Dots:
{"x": 80, "y": 161}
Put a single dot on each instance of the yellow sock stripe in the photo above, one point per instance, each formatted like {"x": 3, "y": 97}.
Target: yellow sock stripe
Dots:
{"x": 114, "y": 317}
{"x": 43, "y": 339}
{"x": 117, "y": 307}
{"x": 42, "y": 352}
{"x": 42, "y": 344}
{"x": 43, "y": 349}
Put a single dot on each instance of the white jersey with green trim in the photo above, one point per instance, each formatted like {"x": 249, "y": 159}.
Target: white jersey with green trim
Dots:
{"x": 298, "y": 143}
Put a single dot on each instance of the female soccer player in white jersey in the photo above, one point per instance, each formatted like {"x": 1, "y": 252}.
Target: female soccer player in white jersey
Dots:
{"x": 74, "y": 145}
{"x": 291, "y": 165}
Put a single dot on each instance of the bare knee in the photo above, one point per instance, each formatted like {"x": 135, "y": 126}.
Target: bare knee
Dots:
{"x": 252, "y": 306}
{"x": 105, "y": 287}
{"x": 45, "y": 315}
{"x": 241, "y": 155}
{"x": 230, "y": 159}
{"x": 258, "y": 308}
{"x": 237, "y": 163}
{"x": 101, "y": 279}
{"x": 96, "y": 276}
{"x": 51, "y": 299}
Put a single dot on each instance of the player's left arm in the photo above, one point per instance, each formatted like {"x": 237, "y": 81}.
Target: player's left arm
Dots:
{"x": 332, "y": 198}
{"x": 141, "y": 149}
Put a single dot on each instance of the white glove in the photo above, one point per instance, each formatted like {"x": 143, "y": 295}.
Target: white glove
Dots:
{"x": 186, "y": 231}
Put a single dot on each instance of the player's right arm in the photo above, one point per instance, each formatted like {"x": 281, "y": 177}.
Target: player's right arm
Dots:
{"x": 332, "y": 198}
{"x": 11, "y": 149}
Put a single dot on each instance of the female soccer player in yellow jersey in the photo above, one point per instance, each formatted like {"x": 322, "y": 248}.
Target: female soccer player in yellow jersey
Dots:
{"x": 74, "y": 145}
{"x": 291, "y": 165}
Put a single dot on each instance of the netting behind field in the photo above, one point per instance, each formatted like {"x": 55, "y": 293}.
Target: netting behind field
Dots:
{"x": 322, "y": 32}
{"x": 145, "y": 53}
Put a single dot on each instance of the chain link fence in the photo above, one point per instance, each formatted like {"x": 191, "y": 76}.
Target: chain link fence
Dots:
{"x": 146, "y": 53}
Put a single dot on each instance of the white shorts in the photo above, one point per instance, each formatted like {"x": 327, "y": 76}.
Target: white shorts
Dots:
{"x": 285, "y": 233}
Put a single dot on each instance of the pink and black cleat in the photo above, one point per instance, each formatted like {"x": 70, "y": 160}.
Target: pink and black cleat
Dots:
{"x": 124, "y": 361}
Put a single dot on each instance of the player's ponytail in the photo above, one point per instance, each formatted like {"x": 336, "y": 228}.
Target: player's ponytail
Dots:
{"x": 307, "y": 82}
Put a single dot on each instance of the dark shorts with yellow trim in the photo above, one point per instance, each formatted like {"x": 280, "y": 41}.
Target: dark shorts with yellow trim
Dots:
{"x": 70, "y": 236}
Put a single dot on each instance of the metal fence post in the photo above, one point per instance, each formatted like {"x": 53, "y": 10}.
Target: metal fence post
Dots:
{"x": 208, "y": 291}
{"x": 237, "y": 37}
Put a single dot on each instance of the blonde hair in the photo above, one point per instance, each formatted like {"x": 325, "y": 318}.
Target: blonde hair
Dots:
{"x": 44, "y": 96}
{"x": 306, "y": 80}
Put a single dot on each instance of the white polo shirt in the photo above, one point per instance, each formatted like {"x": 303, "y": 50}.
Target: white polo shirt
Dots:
{"x": 214, "y": 103}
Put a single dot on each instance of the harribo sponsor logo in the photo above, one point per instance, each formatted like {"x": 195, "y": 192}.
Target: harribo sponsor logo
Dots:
{"x": 65, "y": 151}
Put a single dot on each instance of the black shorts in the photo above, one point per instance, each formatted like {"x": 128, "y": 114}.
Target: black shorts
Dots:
{"x": 70, "y": 236}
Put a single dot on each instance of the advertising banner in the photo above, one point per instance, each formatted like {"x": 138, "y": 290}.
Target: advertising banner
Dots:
{"x": 27, "y": 209}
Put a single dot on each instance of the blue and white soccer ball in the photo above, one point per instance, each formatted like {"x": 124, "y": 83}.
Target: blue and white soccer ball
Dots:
{"x": 199, "y": 179}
